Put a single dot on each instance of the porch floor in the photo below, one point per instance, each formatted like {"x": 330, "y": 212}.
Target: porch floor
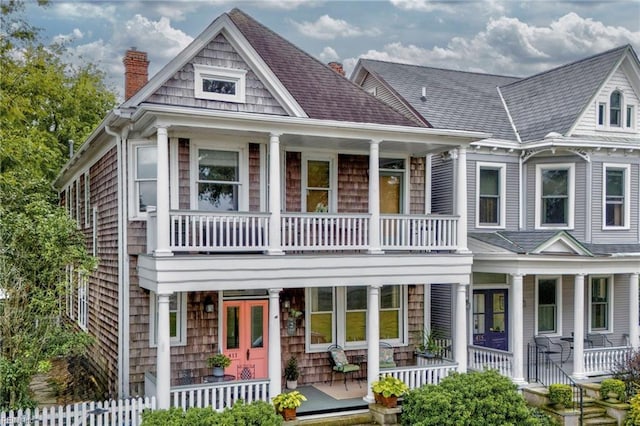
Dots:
{"x": 319, "y": 402}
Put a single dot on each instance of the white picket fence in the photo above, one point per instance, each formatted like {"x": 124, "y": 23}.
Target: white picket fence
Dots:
{"x": 123, "y": 412}
{"x": 417, "y": 376}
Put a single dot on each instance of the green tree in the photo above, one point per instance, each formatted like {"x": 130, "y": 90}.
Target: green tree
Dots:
{"x": 44, "y": 103}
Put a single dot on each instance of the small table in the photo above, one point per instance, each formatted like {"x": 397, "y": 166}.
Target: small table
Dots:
{"x": 218, "y": 379}
{"x": 569, "y": 339}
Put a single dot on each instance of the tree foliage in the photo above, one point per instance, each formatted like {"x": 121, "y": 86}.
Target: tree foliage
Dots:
{"x": 44, "y": 103}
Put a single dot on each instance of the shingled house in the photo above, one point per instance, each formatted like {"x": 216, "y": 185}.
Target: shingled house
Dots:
{"x": 250, "y": 200}
{"x": 553, "y": 201}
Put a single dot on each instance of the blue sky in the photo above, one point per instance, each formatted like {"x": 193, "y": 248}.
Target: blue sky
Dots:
{"x": 493, "y": 36}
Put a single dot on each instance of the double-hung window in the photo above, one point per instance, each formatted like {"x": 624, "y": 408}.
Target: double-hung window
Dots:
{"x": 83, "y": 300}
{"x": 555, "y": 195}
{"x": 615, "y": 109}
{"x": 600, "y": 309}
{"x": 490, "y": 190}
{"x": 218, "y": 180}
{"x": 616, "y": 196}
{"x": 144, "y": 178}
{"x": 355, "y": 324}
{"x": 548, "y": 303}
{"x": 177, "y": 319}
{"x": 321, "y": 315}
{"x": 319, "y": 184}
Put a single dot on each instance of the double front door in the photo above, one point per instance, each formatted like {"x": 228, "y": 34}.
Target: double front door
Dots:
{"x": 490, "y": 319}
{"x": 245, "y": 334}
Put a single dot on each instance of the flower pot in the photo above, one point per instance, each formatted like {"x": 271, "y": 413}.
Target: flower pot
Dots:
{"x": 218, "y": 371}
{"x": 292, "y": 384}
{"x": 288, "y": 413}
{"x": 390, "y": 401}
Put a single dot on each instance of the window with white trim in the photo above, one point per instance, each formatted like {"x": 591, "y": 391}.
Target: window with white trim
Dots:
{"x": 490, "y": 195}
{"x": 616, "y": 113}
{"x": 144, "y": 178}
{"x": 616, "y": 211}
{"x": 219, "y": 84}
{"x": 177, "y": 319}
{"x": 602, "y": 113}
{"x": 70, "y": 291}
{"x": 338, "y": 315}
{"x": 72, "y": 201}
{"x": 555, "y": 192}
{"x": 87, "y": 200}
{"x": 318, "y": 180}
{"x": 600, "y": 309}
{"x": 548, "y": 305}
{"x": 615, "y": 109}
{"x": 630, "y": 117}
{"x": 218, "y": 182}
{"x": 392, "y": 185}
{"x": 83, "y": 300}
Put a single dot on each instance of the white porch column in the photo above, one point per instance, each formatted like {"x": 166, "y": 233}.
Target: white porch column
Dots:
{"x": 374, "y": 197}
{"x": 373, "y": 339}
{"x": 634, "y": 337}
{"x": 163, "y": 362}
{"x": 578, "y": 326}
{"x": 461, "y": 199}
{"x": 460, "y": 333}
{"x": 162, "y": 194}
{"x": 275, "y": 356}
{"x": 275, "y": 243}
{"x": 517, "y": 331}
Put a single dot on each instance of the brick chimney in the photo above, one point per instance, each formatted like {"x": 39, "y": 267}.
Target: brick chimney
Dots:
{"x": 136, "y": 71}
{"x": 337, "y": 67}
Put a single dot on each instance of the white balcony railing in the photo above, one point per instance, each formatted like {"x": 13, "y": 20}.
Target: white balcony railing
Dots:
{"x": 490, "y": 359}
{"x": 197, "y": 231}
{"x": 417, "y": 376}
{"x": 219, "y": 395}
{"x": 605, "y": 360}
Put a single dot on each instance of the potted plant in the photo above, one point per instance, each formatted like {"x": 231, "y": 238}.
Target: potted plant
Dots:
{"x": 560, "y": 395}
{"x": 427, "y": 345}
{"x": 219, "y": 362}
{"x": 612, "y": 390}
{"x": 387, "y": 390}
{"x": 291, "y": 372}
{"x": 286, "y": 404}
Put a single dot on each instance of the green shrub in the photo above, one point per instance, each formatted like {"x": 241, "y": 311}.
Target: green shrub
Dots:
{"x": 471, "y": 399}
{"x": 542, "y": 417}
{"x": 613, "y": 386}
{"x": 561, "y": 394}
{"x": 629, "y": 372}
{"x": 258, "y": 413}
{"x": 633, "y": 416}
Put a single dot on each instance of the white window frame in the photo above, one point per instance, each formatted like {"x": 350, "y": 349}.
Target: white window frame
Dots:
{"x": 243, "y": 170}
{"x": 83, "y": 300}
{"x": 571, "y": 195}
{"x": 181, "y": 317}
{"x": 558, "y": 279}
{"x": 70, "y": 291}
{"x": 604, "y": 116}
{"x": 624, "y": 105}
{"x": 502, "y": 194}
{"x": 620, "y": 113}
{"x": 610, "y": 302}
{"x": 87, "y": 200}
{"x": 405, "y": 202}
{"x": 333, "y": 179}
{"x": 232, "y": 75}
{"x": 94, "y": 230}
{"x": 134, "y": 207}
{"x": 339, "y": 321}
{"x": 626, "y": 168}
{"x": 630, "y": 110}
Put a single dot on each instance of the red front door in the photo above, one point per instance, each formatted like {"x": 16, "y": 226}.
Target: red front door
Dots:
{"x": 245, "y": 338}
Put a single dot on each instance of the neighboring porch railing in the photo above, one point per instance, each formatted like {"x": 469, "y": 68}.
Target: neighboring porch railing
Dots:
{"x": 219, "y": 395}
{"x": 411, "y": 232}
{"x": 325, "y": 231}
{"x": 604, "y": 360}
{"x": 416, "y": 376}
{"x": 199, "y": 231}
{"x": 481, "y": 358}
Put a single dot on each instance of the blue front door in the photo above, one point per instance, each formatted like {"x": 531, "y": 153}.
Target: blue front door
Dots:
{"x": 490, "y": 319}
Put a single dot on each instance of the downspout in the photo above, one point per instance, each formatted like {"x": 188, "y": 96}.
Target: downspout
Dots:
{"x": 123, "y": 266}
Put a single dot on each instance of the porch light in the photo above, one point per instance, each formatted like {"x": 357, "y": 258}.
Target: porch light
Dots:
{"x": 208, "y": 304}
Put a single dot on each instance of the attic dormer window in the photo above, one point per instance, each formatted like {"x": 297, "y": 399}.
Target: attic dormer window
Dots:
{"x": 615, "y": 107}
{"x": 219, "y": 84}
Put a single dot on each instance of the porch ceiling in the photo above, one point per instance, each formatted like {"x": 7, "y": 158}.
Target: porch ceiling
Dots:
{"x": 228, "y": 272}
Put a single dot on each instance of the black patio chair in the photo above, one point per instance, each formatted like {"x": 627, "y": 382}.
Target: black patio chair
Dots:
{"x": 548, "y": 347}
{"x": 340, "y": 364}
{"x": 598, "y": 340}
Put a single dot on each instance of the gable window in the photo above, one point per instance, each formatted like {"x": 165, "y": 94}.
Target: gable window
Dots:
{"x": 616, "y": 195}
{"x": 602, "y": 110}
{"x": 548, "y": 303}
{"x": 490, "y": 189}
{"x": 615, "y": 108}
{"x": 218, "y": 180}
{"x": 219, "y": 84}
{"x": 391, "y": 183}
{"x": 318, "y": 181}
{"x": 630, "y": 117}
{"x": 555, "y": 195}
{"x": 83, "y": 305}
{"x": 600, "y": 307}
{"x": 177, "y": 319}
{"x": 144, "y": 178}
{"x": 338, "y": 315}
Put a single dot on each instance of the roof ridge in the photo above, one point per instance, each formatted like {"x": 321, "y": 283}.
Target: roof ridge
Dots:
{"x": 443, "y": 69}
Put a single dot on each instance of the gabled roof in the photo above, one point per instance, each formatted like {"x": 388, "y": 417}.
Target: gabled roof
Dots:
{"x": 320, "y": 91}
{"x": 555, "y": 99}
{"x": 454, "y": 99}
{"x": 534, "y": 242}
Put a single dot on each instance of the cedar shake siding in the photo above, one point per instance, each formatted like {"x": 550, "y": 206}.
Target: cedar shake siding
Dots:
{"x": 416, "y": 175}
{"x": 179, "y": 89}
{"x": 353, "y": 183}
{"x": 184, "y": 188}
{"x": 254, "y": 177}
{"x": 293, "y": 182}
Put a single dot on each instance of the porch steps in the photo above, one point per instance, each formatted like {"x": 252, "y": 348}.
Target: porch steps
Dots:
{"x": 351, "y": 419}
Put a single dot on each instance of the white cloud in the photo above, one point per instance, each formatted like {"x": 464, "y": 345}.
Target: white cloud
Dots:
{"x": 484, "y": 6}
{"x": 77, "y": 10}
{"x": 74, "y": 35}
{"x": 511, "y": 47}
{"x": 328, "y": 28}
{"x": 285, "y": 4}
{"x": 422, "y": 5}
{"x": 328, "y": 54}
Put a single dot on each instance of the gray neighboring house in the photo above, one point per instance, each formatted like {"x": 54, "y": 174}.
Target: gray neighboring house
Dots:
{"x": 553, "y": 202}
